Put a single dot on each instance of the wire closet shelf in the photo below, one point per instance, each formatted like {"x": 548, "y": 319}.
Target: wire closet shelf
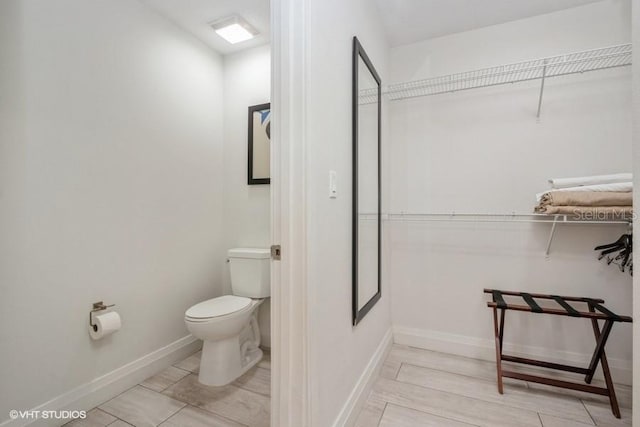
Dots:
{"x": 554, "y": 66}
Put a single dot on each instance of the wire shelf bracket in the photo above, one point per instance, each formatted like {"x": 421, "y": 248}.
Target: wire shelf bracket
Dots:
{"x": 544, "y": 76}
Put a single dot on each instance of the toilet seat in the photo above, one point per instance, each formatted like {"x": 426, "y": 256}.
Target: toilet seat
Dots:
{"x": 217, "y": 307}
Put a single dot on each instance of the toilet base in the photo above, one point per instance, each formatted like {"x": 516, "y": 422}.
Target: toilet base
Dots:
{"x": 221, "y": 362}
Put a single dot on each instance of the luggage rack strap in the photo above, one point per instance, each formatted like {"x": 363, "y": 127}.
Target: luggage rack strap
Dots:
{"x": 570, "y": 310}
{"x": 531, "y": 303}
{"x": 497, "y": 298}
{"x": 602, "y": 309}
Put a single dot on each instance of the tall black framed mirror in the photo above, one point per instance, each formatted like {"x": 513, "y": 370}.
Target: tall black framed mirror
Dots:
{"x": 367, "y": 225}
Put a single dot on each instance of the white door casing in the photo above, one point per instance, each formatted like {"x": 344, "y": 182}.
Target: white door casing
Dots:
{"x": 289, "y": 373}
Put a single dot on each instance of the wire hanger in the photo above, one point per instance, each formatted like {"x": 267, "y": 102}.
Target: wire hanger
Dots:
{"x": 619, "y": 252}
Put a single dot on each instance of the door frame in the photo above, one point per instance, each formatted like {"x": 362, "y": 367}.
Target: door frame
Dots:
{"x": 290, "y": 398}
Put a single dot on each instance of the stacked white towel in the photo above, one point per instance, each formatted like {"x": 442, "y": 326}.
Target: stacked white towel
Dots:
{"x": 591, "y": 180}
{"x": 601, "y": 196}
{"x": 618, "y": 186}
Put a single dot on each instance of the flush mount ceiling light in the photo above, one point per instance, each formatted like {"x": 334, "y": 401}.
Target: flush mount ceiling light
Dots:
{"x": 234, "y": 29}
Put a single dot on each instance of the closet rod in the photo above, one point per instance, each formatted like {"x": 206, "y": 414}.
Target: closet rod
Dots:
{"x": 495, "y": 217}
{"x": 530, "y": 218}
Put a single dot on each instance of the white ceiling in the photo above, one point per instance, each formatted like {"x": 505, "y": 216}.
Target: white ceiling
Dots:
{"x": 195, "y": 15}
{"x": 405, "y": 21}
{"x": 409, "y": 21}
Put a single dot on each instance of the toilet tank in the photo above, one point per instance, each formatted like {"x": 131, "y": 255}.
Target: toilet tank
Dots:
{"x": 250, "y": 272}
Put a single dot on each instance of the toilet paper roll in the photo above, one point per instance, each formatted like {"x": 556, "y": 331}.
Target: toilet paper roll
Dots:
{"x": 105, "y": 324}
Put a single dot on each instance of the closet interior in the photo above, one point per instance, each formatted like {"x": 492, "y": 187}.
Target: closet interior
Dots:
{"x": 507, "y": 162}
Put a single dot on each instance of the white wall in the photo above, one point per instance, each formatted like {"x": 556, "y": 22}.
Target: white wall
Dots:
{"x": 111, "y": 188}
{"x": 339, "y": 352}
{"x": 247, "y": 81}
{"x": 483, "y": 151}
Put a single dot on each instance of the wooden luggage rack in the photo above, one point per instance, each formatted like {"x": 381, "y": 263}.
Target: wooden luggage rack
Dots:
{"x": 596, "y": 311}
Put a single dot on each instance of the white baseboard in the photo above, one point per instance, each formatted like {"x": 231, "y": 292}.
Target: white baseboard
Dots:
{"x": 99, "y": 390}
{"x": 484, "y": 349}
{"x": 358, "y": 396}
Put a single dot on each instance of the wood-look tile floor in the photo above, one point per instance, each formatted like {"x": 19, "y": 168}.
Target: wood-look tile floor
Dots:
{"x": 175, "y": 398}
{"x": 419, "y": 388}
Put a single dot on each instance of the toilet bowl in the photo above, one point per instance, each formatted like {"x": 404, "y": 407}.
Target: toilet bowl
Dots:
{"x": 228, "y": 349}
{"x": 228, "y": 325}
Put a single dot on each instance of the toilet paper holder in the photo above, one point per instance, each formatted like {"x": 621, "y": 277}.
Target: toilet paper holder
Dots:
{"x": 97, "y": 306}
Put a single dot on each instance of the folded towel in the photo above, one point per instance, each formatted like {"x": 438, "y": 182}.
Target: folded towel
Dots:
{"x": 590, "y": 180}
{"x": 587, "y": 198}
{"x": 590, "y": 212}
{"x": 619, "y": 186}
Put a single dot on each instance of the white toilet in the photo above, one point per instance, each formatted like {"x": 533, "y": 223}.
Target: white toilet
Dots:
{"x": 228, "y": 325}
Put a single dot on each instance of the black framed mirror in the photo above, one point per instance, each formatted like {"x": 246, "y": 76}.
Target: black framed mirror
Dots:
{"x": 259, "y": 148}
{"x": 367, "y": 224}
